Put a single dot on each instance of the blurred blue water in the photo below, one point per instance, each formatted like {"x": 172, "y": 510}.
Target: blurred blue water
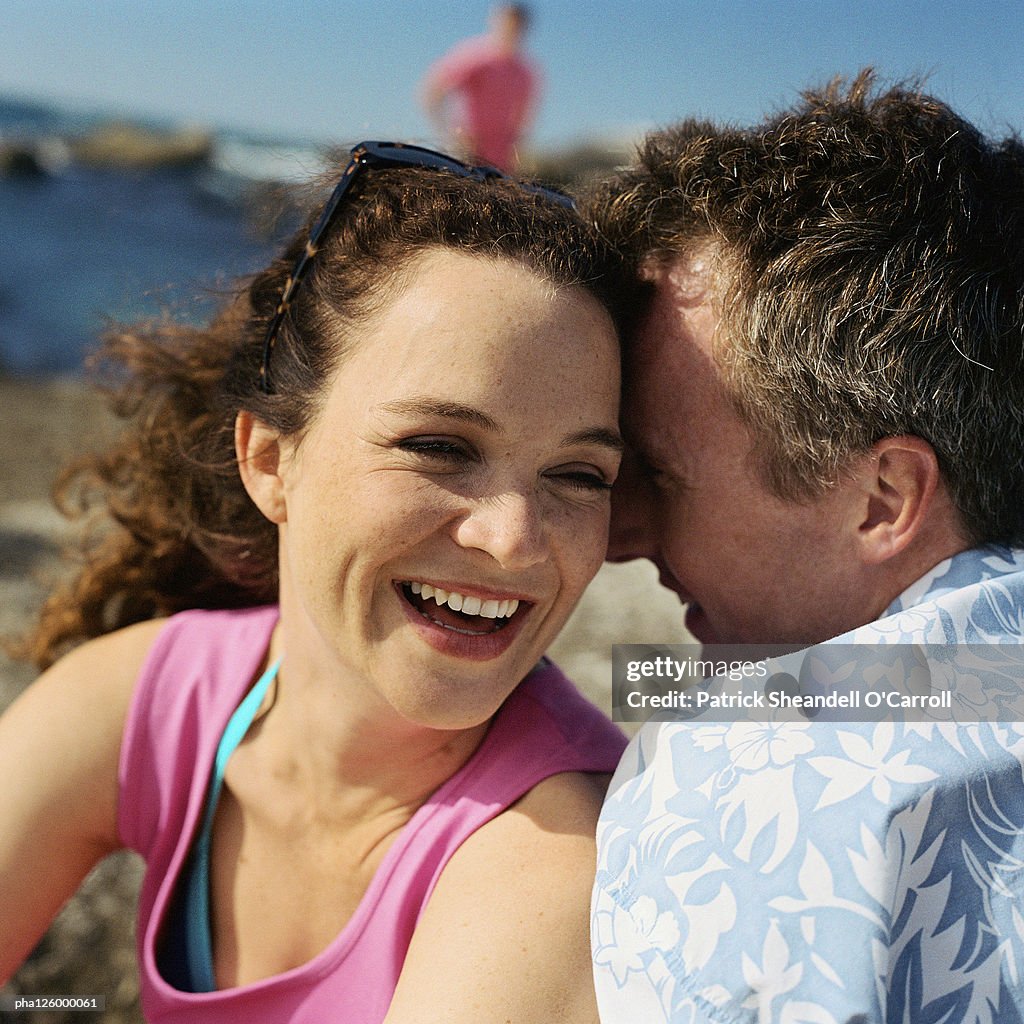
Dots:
{"x": 88, "y": 244}
{"x": 81, "y": 245}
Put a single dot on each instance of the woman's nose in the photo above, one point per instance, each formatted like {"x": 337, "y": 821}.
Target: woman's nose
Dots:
{"x": 509, "y": 527}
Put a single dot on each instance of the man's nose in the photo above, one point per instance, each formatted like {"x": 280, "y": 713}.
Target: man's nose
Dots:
{"x": 633, "y": 532}
{"x": 509, "y": 527}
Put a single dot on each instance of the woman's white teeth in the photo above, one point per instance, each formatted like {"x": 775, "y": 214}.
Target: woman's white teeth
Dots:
{"x": 466, "y": 605}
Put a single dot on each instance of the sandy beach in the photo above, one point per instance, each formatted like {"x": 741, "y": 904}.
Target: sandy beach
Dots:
{"x": 90, "y": 949}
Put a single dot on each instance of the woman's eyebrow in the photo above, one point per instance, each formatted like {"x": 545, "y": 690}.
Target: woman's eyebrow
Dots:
{"x": 468, "y": 414}
{"x": 596, "y": 435}
{"x": 439, "y": 407}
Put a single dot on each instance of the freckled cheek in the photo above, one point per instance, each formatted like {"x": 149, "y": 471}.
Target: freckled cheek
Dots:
{"x": 404, "y": 518}
{"x": 581, "y": 540}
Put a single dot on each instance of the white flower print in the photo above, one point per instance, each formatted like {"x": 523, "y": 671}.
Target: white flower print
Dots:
{"x": 867, "y": 764}
{"x": 756, "y": 745}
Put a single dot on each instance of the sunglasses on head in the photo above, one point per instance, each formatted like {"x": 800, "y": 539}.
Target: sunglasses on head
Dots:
{"x": 370, "y": 155}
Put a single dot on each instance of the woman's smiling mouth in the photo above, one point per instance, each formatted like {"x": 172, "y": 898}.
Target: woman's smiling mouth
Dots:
{"x": 461, "y": 613}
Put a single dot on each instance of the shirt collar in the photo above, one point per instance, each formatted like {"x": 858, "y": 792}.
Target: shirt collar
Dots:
{"x": 971, "y": 566}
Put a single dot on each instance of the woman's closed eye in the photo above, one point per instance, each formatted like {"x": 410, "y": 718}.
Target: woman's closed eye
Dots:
{"x": 450, "y": 453}
{"x": 581, "y": 478}
{"x": 439, "y": 449}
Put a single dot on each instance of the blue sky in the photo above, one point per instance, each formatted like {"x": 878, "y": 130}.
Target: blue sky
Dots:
{"x": 334, "y": 71}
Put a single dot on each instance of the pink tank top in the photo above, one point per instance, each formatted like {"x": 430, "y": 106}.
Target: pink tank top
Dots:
{"x": 196, "y": 673}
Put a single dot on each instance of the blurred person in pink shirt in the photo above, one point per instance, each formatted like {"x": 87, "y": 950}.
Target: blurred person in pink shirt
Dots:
{"x": 494, "y": 89}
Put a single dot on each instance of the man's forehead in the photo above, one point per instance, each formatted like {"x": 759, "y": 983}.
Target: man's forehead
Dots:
{"x": 673, "y": 383}
{"x": 686, "y": 281}
{"x": 680, "y": 323}
{"x": 688, "y": 277}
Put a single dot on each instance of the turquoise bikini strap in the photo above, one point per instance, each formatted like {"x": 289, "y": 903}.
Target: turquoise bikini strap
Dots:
{"x": 197, "y": 935}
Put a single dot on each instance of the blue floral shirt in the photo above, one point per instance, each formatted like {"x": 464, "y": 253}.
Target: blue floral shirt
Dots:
{"x": 827, "y": 872}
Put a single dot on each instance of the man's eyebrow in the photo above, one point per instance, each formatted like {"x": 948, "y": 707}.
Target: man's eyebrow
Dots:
{"x": 438, "y": 407}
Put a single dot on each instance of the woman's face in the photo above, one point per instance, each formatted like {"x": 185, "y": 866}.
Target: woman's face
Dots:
{"x": 461, "y": 459}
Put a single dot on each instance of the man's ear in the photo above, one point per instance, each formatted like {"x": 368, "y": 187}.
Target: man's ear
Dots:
{"x": 259, "y": 453}
{"x": 901, "y": 477}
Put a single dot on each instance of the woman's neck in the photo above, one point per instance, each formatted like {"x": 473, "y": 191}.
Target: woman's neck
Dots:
{"x": 339, "y": 743}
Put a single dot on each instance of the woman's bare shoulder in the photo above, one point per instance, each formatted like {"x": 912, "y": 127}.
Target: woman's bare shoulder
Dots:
{"x": 552, "y": 828}
{"x": 89, "y": 688}
{"x": 510, "y": 916}
{"x": 572, "y": 798}
{"x": 79, "y": 704}
{"x": 76, "y": 709}
{"x": 60, "y": 744}
{"x": 112, "y": 660}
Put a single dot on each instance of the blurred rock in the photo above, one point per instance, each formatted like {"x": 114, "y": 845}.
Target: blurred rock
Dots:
{"x": 20, "y": 160}
{"x": 129, "y": 146}
{"x": 34, "y": 157}
{"x": 578, "y": 165}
